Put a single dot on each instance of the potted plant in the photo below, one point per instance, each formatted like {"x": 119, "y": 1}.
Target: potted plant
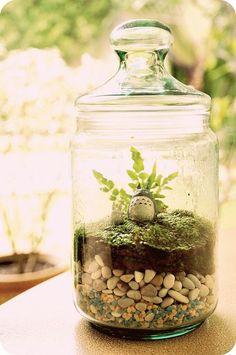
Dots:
{"x": 21, "y": 270}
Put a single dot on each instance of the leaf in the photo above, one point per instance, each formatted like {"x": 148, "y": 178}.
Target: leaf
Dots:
{"x": 110, "y": 184}
{"x": 157, "y": 195}
{"x": 105, "y": 189}
{"x": 151, "y": 178}
{"x": 98, "y": 175}
{"x": 170, "y": 178}
{"x": 138, "y": 165}
{"x": 132, "y": 175}
{"x": 115, "y": 192}
{"x": 113, "y": 198}
{"x": 167, "y": 188}
{"x": 158, "y": 180}
{"x": 143, "y": 175}
{"x": 160, "y": 206}
{"x": 124, "y": 194}
{"x": 133, "y": 186}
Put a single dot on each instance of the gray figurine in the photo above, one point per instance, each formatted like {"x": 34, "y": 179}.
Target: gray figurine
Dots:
{"x": 142, "y": 206}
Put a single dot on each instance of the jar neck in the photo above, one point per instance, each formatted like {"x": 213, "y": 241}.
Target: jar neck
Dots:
{"x": 143, "y": 64}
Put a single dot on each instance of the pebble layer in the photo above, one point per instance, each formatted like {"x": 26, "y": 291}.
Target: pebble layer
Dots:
{"x": 143, "y": 299}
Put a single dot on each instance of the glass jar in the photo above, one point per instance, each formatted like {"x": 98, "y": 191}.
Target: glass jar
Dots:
{"x": 145, "y": 195}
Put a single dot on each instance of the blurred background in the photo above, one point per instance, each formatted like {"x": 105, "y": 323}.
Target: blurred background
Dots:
{"x": 51, "y": 51}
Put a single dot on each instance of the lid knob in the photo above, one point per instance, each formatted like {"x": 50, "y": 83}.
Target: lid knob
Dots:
{"x": 141, "y": 34}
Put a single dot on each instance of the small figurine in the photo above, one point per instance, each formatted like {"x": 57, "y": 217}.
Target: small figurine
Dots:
{"x": 142, "y": 206}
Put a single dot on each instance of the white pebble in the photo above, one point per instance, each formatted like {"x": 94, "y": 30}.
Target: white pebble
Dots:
{"x": 117, "y": 272}
{"x": 167, "y": 302}
{"x": 86, "y": 279}
{"x": 118, "y": 292}
{"x": 127, "y": 278}
{"x": 122, "y": 286}
{"x": 210, "y": 299}
{"x": 108, "y": 292}
{"x": 86, "y": 265}
{"x": 106, "y": 272}
{"x": 134, "y": 285}
{"x": 149, "y": 317}
{"x": 184, "y": 291}
{"x": 204, "y": 291}
{"x": 178, "y": 297}
{"x": 93, "y": 266}
{"x": 85, "y": 289}
{"x": 99, "y": 260}
{"x": 148, "y": 299}
{"x": 209, "y": 282}
{"x": 141, "y": 283}
{"x": 187, "y": 283}
{"x": 135, "y": 295}
{"x": 156, "y": 300}
{"x": 195, "y": 280}
{"x": 138, "y": 276}
{"x": 193, "y": 294}
{"x": 177, "y": 285}
{"x": 99, "y": 285}
{"x": 163, "y": 292}
{"x": 112, "y": 282}
{"x": 149, "y": 275}
{"x": 125, "y": 302}
{"x": 168, "y": 281}
{"x": 116, "y": 314}
{"x": 197, "y": 274}
{"x": 157, "y": 280}
{"x": 140, "y": 306}
{"x": 149, "y": 290}
{"x": 202, "y": 279}
{"x": 96, "y": 275}
{"x": 93, "y": 309}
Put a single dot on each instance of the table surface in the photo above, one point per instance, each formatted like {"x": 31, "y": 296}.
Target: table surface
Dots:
{"x": 43, "y": 321}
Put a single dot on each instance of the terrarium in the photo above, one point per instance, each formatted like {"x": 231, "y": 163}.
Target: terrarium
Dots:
{"x": 145, "y": 195}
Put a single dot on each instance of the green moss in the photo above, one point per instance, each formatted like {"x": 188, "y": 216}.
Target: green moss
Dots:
{"x": 177, "y": 230}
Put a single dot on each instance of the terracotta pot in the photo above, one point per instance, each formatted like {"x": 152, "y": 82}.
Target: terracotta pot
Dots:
{"x": 13, "y": 284}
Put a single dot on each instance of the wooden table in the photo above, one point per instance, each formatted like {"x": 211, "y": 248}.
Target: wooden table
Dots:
{"x": 43, "y": 321}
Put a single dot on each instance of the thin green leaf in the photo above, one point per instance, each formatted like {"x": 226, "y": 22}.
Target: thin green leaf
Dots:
{"x": 124, "y": 194}
{"x": 151, "y": 178}
{"x": 133, "y": 186}
{"x": 138, "y": 165}
{"x": 158, "y": 180}
{"x": 110, "y": 184}
{"x": 115, "y": 192}
{"x": 105, "y": 189}
{"x": 132, "y": 175}
{"x": 167, "y": 188}
{"x": 143, "y": 175}
{"x": 170, "y": 178}
{"x": 98, "y": 175}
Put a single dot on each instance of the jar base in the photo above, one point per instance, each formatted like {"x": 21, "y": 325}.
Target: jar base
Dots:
{"x": 142, "y": 334}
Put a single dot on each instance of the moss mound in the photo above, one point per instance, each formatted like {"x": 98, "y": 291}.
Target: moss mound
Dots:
{"x": 178, "y": 230}
{"x": 174, "y": 241}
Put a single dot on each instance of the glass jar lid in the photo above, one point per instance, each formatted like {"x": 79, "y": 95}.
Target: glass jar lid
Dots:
{"x": 142, "y": 82}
